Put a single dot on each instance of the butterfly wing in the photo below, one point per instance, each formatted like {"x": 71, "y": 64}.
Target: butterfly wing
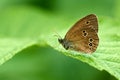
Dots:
{"x": 83, "y": 35}
{"x": 87, "y": 41}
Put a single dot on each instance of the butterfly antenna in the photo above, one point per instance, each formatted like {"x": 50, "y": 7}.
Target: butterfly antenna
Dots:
{"x": 58, "y": 36}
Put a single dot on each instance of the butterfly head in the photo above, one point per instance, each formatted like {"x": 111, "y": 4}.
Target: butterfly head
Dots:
{"x": 60, "y": 40}
{"x": 64, "y": 43}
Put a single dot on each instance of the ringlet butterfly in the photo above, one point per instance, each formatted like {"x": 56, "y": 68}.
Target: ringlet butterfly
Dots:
{"x": 82, "y": 36}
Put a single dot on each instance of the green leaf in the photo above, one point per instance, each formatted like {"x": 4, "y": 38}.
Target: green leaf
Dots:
{"x": 9, "y": 47}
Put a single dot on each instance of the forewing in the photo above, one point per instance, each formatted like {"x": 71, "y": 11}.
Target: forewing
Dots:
{"x": 88, "y": 21}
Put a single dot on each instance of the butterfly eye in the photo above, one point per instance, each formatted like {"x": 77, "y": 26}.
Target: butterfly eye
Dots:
{"x": 66, "y": 46}
{"x": 60, "y": 40}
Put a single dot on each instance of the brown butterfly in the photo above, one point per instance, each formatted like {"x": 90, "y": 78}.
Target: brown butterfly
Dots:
{"x": 82, "y": 36}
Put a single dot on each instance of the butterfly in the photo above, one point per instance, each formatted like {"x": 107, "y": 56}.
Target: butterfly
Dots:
{"x": 82, "y": 36}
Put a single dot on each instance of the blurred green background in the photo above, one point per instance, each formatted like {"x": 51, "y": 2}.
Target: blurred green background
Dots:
{"x": 44, "y": 63}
